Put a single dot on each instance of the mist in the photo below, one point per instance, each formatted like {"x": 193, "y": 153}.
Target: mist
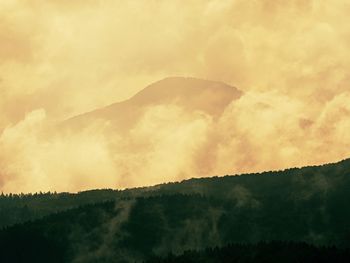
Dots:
{"x": 59, "y": 59}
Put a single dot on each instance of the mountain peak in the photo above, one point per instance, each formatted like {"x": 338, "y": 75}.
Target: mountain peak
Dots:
{"x": 171, "y": 87}
{"x": 208, "y": 96}
{"x": 191, "y": 94}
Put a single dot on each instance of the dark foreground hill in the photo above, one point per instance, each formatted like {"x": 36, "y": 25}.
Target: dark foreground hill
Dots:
{"x": 299, "y": 205}
{"x": 273, "y": 252}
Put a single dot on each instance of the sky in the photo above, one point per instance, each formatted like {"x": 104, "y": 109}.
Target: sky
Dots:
{"x": 60, "y": 58}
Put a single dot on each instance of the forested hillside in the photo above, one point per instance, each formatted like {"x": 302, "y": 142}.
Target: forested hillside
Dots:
{"x": 273, "y": 252}
{"x": 300, "y": 205}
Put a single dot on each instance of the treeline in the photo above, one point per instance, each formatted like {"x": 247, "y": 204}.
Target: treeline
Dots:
{"x": 19, "y": 208}
{"x": 326, "y": 183}
{"x": 273, "y": 252}
{"x": 300, "y": 205}
{"x": 27, "y": 195}
{"x": 136, "y": 229}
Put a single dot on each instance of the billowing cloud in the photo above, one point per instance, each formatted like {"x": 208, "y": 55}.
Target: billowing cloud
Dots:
{"x": 62, "y": 58}
{"x": 31, "y": 158}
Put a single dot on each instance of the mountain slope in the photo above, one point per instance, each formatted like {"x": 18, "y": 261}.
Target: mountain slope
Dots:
{"x": 274, "y": 252}
{"x": 301, "y": 205}
{"x": 191, "y": 94}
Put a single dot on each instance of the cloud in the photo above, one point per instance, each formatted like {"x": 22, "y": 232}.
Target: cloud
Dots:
{"x": 63, "y": 57}
{"x": 33, "y": 159}
{"x": 93, "y": 48}
{"x": 260, "y": 131}
{"x": 163, "y": 145}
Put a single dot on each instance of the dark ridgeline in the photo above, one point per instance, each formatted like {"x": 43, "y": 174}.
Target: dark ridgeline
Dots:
{"x": 273, "y": 252}
{"x": 288, "y": 210}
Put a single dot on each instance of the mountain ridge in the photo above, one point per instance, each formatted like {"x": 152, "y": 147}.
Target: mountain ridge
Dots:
{"x": 191, "y": 93}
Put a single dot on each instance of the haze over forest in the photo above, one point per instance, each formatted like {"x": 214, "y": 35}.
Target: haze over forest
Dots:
{"x": 197, "y": 89}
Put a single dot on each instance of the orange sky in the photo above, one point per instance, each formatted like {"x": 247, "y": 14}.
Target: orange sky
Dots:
{"x": 59, "y": 58}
